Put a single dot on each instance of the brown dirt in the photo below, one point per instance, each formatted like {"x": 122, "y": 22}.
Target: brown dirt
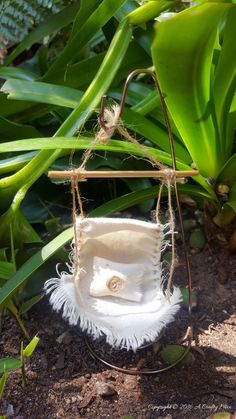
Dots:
{"x": 64, "y": 381}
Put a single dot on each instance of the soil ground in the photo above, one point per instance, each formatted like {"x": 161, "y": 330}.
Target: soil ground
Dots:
{"x": 64, "y": 381}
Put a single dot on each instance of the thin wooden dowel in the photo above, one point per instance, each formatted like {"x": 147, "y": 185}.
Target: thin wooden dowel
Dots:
{"x": 68, "y": 174}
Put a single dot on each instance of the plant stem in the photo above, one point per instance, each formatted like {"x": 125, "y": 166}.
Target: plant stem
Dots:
{"x": 24, "y": 380}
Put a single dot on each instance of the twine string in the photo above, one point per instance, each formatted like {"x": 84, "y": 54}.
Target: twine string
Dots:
{"x": 110, "y": 123}
{"x": 74, "y": 215}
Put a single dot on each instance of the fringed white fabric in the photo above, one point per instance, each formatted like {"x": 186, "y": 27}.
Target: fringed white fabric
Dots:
{"x": 118, "y": 290}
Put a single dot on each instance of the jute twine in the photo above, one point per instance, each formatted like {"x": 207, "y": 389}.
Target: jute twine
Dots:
{"x": 112, "y": 124}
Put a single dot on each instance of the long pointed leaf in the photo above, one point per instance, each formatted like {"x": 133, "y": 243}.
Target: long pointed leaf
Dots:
{"x": 85, "y": 31}
{"x": 33, "y": 170}
{"x": 84, "y": 143}
{"x": 42, "y": 93}
{"x": 182, "y": 54}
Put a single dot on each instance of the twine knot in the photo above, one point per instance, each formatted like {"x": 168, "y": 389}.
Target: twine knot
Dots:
{"x": 110, "y": 122}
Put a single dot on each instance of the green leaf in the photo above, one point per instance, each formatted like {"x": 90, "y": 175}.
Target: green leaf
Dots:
{"x": 12, "y": 164}
{"x": 32, "y": 264}
{"x": 30, "y": 348}
{"x": 228, "y": 172}
{"x": 134, "y": 198}
{"x": 171, "y": 354}
{"x": 9, "y": 364}
{"x": 16, "y": 73}
{"x": 87, "y": 7}
{"x": 9, "y": 130}
{"x": 27, "y": 305}
{"x": 23, "y": 232}
{"x": 41, "y": 92}
{"x": 85, "y": 31}
{"x": 153, "y": 132}
{"x": 53, "y": 24}
{"x": 6, "y": 270}
{"x": 185, "y": 79}
{"x": 150, "y": 10}
{"x": 13, "y": 310}
{"x": 81, "y": 74}
{"x": 3, "y": 381}
{"x": 232, "y": 204}
{"x": 224, "y": 83}
{"x": 185, "y": 298}
{"x": 83, "y": 143}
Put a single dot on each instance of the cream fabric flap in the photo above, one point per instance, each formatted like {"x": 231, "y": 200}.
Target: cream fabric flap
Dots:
{"x": 118, "y": 290}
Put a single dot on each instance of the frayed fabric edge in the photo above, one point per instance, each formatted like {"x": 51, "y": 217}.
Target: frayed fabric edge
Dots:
{"x": 63, "y": 297}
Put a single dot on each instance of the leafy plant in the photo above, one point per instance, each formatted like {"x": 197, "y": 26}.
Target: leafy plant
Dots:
{"x": 197, "y": 75}
{"x": 11, "y": 364}
{"x": 46, "y": 102}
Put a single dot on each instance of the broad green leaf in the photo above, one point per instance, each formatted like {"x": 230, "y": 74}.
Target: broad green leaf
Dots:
{"x": 27, "y": 305}
{"x": 185, "y": 79}
{"x": 16, "y": 73}
{"x": 41, "y": 92}
{"x": 6, "y": 269}
{"x": 83, "y": 33}
{"x": 30, "y": 348}
{"x": 9, "y": 364}
{"x": 9, "y": 130}
{"x": 53, "y": 24}
{"x": 3, "y": 381}
{"x": 225, "y": 76}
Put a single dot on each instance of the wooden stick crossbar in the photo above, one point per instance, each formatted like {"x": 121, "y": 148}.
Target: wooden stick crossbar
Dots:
{"x": 84, "y": 174}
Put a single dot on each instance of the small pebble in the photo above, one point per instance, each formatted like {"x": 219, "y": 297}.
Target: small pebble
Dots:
{"x": 10, "y": 410}
{"x": 105, "y": 389}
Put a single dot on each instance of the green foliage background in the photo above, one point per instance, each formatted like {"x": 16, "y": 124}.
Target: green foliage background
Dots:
{"x": 49, "y": 103}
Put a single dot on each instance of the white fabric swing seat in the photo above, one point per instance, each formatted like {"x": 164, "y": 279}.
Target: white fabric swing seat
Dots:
{"x": 118, "y": 289}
